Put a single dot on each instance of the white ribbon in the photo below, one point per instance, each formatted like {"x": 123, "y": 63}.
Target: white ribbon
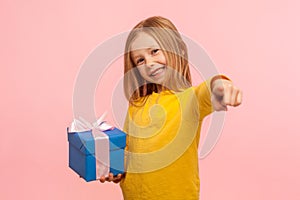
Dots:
{"x": 101, "y": 141}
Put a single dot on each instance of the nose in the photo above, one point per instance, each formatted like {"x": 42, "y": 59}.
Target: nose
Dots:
{"x": 149, "y": 61}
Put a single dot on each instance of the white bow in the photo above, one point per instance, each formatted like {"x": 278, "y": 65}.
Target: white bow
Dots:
{"x": 81, "y": 125}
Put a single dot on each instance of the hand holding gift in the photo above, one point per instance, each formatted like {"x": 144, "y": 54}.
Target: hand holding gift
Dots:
{"x": 111, "y": 177}
{"x": 96, "y": 150}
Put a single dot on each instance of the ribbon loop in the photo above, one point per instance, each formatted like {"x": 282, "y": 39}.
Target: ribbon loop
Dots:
{"x": 81, "y": 125}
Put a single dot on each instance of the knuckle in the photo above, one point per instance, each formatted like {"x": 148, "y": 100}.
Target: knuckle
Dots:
{"x": 230, "y": 87}
{"x": 226, "y": 101}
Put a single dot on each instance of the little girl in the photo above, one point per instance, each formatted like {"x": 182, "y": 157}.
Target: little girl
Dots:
{"x": 165, "y": 114}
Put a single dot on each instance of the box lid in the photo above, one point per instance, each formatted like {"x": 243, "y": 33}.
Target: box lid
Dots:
{"x": 84, "y": 141}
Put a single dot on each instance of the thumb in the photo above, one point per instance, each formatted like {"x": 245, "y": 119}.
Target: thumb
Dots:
{"x": 218, "y": 91}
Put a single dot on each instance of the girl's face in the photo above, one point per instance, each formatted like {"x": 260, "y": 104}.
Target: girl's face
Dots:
{"x": 148, "y": 58}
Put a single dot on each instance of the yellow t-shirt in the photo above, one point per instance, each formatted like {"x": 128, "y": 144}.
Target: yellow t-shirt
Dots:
{"x": 162, "y": 142}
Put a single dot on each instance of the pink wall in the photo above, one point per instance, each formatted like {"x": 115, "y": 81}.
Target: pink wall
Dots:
{"x": 256, "y": 43}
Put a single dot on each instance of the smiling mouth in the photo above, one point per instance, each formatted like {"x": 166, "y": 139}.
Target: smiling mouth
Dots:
{"x": 157, "y": 71}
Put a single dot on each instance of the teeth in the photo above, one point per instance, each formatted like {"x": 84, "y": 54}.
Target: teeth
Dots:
{"x": 157, "y": 71}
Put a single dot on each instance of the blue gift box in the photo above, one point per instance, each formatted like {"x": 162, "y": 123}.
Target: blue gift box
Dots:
{"x": 82, "y": 152}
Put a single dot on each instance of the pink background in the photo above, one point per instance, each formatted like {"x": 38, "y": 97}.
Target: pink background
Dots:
{"x": 256, "y": 43}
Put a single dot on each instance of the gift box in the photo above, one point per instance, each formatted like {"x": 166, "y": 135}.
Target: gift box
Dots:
{"x": 83, "y": 150}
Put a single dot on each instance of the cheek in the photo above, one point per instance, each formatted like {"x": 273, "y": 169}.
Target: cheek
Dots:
{"x": 162, "y": 59}
{"x": 142, "y": 71}
{"x": 165, "y": 60}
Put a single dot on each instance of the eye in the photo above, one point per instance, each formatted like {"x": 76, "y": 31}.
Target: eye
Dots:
{"x": 154, "y": 51}
{"x": 139, "y": 61}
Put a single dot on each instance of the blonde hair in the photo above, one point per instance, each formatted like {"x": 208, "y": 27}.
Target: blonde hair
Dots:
{"x": 170, "y": 41}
